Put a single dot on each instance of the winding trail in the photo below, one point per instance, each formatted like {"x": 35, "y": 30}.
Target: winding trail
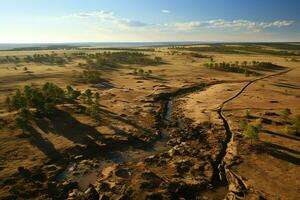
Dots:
{"x": 223, "y": 162}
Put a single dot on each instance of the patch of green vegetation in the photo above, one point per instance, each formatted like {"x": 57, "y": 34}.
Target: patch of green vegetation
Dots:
{"x": 196, "y": 55}
{"x": 22, "y": 119}
{"x": 231, "y": 67}
{"x": 251, "y": 131}
{"x": 43, "y": 100}
{"x": 247, "y": 113}
{"x": 292, "y": 123}
{"x": 91, "y": 76}
{"x": 295, "y": 125}
{"x": 141, "y": 72}
{"x": 244, "y": 48}
{"x": 52, "y": 59}
{"x": 285, "y": 114}
{"x": 114, "y": 59}
{"x": 10, "y": 59}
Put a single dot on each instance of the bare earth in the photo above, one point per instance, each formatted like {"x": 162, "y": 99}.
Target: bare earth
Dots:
{"x": 122, "y": 155}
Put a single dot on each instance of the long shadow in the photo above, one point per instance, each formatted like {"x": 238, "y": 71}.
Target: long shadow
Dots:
{"x": 134, "y": 141}
{"x": 278, "y": 147}
{"x": 280, "y": 135}
{"x": 151, "y": 77}
{"x": 285, "y": 157}
{"x": 42, "y": 144}
{"x": 69, "y": 127}
{"x": 276, "y": 152}
{"x": 123, "y": 120}
{"x": 104, "y": 84}
{"x": 286, "y": 85}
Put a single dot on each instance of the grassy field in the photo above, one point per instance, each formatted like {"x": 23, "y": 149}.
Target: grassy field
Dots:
{"x": 128, "y": 82}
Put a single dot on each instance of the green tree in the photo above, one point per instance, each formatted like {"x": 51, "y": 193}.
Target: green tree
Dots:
{"x": 251, "y": 132}
{"x": 22, "y": 119}
{"x": 295, "y": 125}
{"x": 93, "y": 111}
{"x": 247, "y": 113}
{"x": 18, "y": 101}
{"x": 88, "y": 94}
{"x": 96, "y": 96}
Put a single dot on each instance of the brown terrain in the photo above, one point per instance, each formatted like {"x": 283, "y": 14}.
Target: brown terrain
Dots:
{"x": 173, "y": 134}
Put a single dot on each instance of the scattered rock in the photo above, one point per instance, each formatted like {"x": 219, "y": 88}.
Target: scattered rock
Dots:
{"x": 78, "y": 157}
{"x": 24, "y": 172}
{"x": 183, "y": 166}
{"x": 151, "y": 160}
{"x": 104, "y": 197}
{"x": 91, "y": 193}
{"x": 104, "y": 187}
{"x": 124, "y": 173}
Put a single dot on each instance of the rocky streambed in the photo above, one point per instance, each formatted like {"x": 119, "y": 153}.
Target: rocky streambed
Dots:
{"x": 182, "y": 162}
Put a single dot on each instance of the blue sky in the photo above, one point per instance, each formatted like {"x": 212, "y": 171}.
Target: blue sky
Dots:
{"x": 28, "y": 21}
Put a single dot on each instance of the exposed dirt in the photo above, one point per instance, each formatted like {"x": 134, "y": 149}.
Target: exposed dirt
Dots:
{"x": 159, "y": 137}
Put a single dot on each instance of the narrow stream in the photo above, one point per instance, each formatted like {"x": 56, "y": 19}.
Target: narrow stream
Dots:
{"x": 86, "y": 172}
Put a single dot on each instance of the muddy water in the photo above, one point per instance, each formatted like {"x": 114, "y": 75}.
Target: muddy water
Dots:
{"x": 86, "y": 172}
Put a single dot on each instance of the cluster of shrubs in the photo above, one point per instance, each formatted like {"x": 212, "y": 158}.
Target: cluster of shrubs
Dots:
{"x": 142, "y": 72}
{"x": 231, "y": 67}
{"x": 114, "y": 59}
{"x": 250, "y": 131}
{"x": 43, "y": 100}
{"x": 90, "y": 76}
{"x": 196, "y": 55}
{"x": 46, "y": 59}
{"x": 100, "y": 61}
{"x": 9, "y": 59}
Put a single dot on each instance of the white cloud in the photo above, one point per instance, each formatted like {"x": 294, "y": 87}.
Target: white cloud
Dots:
{"x": 165, "y": 11}
{"x": 188, "y": 25}
{"x": 239, "y": 24}
{"x": 110, "y": 17}
{"x": 234, "y": 24}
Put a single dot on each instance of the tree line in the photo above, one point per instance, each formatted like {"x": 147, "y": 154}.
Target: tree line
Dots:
{"x": 232, "y": 67}
{"x": 43, "y": 101}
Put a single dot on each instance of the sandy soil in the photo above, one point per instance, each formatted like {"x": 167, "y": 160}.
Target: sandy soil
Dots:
{"x": 129, "y": 115}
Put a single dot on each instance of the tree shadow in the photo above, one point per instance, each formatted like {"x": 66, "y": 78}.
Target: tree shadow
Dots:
{"x": 285, "y": 157}
{"x": 42, "y": 144}
{"x": 151, "y": 77}
{"x": 286, "y": 85}
{"x": 133, "y": 140}
{"x": 281, "y": 135}
{"x": 69, "y": 127}
{"x": 113, "y": 115}
{"x": 278, "y": 147}
{"x": 66, "y": 125}
{"x": 276, "y": 151}
{"x": 103, "y": 84}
